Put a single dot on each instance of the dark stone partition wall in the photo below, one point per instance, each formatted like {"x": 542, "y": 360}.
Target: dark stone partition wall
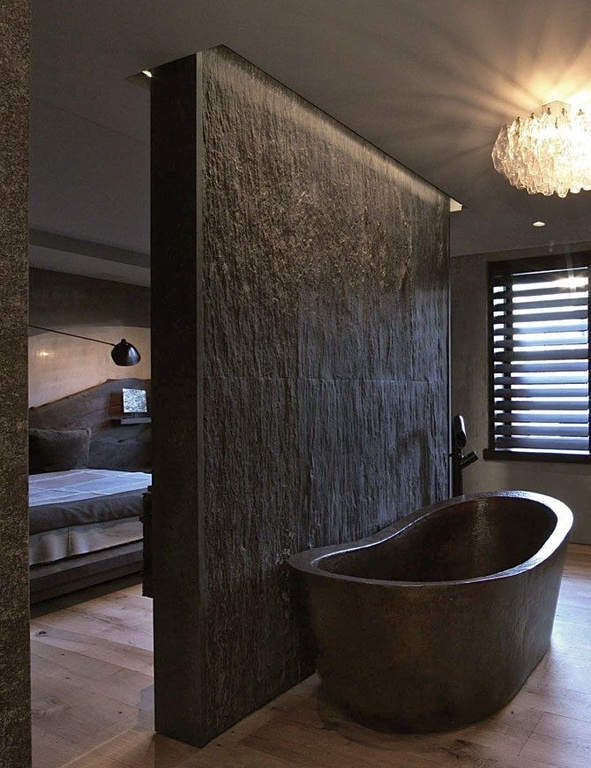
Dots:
{"x": 304, "y": 275}
{"x": 15, "y": 749}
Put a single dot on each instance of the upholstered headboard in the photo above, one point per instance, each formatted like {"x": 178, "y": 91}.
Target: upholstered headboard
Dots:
{"x": 114, "y": 444}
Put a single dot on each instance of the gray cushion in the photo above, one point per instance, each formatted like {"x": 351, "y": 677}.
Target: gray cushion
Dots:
{"x": 56, "y": 450}
{"x": 111, "y": 450}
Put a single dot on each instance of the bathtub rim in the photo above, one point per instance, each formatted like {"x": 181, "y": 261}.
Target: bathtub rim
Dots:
{"x": 308, "y": 561}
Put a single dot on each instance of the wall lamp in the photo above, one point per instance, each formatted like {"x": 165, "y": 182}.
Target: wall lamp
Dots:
{"x": 122, "y": 353}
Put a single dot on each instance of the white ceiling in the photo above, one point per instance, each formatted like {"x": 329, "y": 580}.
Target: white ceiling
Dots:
{"x": 429, "y": 82}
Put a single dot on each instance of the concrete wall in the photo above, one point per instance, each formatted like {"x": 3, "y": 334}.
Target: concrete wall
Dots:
{"x": 14, "y": 528}
{"x": 101, "y": 309}
{"x": 303, "y": 276}
{"x": 570, "y": 483}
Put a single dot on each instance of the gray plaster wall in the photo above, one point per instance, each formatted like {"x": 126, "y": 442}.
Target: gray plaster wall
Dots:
{"x": 99, "y": 309}
{"x": 14, "y": 571}
{"x": 62, "y": 299}
{"x": 318, "y": 407}
{"x": 570, "y": 483}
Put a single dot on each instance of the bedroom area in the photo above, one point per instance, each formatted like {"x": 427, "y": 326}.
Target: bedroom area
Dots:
{"x": 90, "y": 455}
{"x": 89, "y": 431}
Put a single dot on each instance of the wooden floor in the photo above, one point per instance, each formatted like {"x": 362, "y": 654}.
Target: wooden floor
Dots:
{"x": 92, "y": 703}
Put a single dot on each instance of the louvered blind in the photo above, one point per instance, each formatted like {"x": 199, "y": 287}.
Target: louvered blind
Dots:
{"x": 540, "y": 359}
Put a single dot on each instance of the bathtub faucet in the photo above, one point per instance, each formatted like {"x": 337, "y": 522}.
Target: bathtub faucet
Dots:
{"x": 459, "y": 438}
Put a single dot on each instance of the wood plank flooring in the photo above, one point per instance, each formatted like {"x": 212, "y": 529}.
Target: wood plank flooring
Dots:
{"x": 92, "y": 703}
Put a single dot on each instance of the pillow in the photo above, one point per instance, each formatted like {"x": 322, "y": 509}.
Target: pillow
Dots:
{"x": 55, "y": 450}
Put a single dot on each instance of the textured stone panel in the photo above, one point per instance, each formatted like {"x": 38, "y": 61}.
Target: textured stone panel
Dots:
{"x": 310, "y": 405}
{"x": 251, "y": 527}
{"x": 369, "y": 458}
{"x": 301, "y": 217}
{"x": 325, "y": 356}
{"x": 14, "y": 571}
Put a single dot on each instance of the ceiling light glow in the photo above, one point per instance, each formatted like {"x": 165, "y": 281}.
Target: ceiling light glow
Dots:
{"x": 146, "y": 72}
{"x": 539, "y": 224}
{"x": 548, "y": 152}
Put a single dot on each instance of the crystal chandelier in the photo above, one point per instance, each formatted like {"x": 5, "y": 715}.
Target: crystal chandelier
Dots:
{"x": 547, "y": 152}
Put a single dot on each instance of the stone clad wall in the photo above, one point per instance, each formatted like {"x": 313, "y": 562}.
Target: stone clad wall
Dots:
{"x": 14, "y": 528}
{"x": 320, "y": 380}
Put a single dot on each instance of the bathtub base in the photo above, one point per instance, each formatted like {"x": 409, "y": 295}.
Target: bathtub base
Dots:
{"x": 421, "y": 716}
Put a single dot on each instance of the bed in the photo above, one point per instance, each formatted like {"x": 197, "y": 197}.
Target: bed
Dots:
{"x": 90, "y": 470}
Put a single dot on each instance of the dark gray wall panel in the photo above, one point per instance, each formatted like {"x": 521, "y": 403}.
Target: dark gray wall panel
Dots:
{"x": 325, "y": 299}
{"x": 14, "y": 529}
{"x": 251, "y": 441}
{"x": 322, "y": 365}
{"x": 57, "y": 299}
{"x": 366, "y": 455}
{"x": 177, "y": 465}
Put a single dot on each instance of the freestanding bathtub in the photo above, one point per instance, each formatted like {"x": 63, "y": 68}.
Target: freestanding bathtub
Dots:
{"x": 438, "y": 620}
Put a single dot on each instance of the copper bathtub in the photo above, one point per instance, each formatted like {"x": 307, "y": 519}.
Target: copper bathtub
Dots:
{"x": 438, "y": 620}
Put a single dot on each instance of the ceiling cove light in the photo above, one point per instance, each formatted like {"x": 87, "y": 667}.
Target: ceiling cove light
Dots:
{"x": 547, "y": 152}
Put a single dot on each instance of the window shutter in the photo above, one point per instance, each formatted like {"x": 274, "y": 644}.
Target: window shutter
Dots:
{"x": 540, "y": 358}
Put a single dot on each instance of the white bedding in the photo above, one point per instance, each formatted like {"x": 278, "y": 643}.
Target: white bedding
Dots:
{"x": 51, "y": 546}
{"x": 79, "y": 484}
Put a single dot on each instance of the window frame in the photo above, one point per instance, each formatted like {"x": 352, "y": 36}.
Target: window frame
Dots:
{"x": 512, "y": 267}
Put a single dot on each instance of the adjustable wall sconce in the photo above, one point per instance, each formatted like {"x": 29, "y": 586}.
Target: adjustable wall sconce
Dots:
{"x": 122, "y": 353}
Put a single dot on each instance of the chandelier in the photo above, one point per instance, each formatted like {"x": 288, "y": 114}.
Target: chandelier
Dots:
{"x": 547, "y": 152}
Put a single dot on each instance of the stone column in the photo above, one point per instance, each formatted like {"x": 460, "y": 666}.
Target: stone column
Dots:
{"x": 15, "y": 748}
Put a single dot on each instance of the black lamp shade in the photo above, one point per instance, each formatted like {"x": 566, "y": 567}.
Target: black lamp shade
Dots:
{"x": 125, "y": 353}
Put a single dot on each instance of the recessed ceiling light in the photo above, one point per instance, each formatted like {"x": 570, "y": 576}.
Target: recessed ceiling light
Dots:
{"x": 146, "y": 72}
{"x": 539, "y": 224}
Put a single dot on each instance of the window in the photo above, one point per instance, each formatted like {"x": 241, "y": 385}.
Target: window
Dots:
{"x": 539, "y": 359}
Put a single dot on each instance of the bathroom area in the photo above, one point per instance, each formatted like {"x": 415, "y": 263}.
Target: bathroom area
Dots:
{"x": 347, "y": 565}
{"x": 317, "y": 380}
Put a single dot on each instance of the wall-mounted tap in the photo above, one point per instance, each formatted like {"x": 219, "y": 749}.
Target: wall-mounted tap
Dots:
{"x": 459, "y": 438}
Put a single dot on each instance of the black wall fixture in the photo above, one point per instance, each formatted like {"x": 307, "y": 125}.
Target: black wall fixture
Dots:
{"x": 123, "y": 353}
